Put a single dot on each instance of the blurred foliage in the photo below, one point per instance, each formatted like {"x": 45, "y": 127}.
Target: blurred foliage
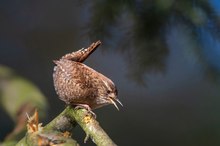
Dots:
{"x": 140, "y": 28}
{"x": 16, "y": 92}
{"x": 19, "y": 97}
{"x": 137, "y": 28}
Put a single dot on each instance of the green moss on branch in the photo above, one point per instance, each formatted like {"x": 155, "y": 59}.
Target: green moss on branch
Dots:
{"x": 66, "y": 121}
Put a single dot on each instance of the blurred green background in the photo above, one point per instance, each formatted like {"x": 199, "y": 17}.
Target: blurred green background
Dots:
{"x": 163, "y": 55}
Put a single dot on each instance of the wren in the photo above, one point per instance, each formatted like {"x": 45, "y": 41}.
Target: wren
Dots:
{"x": 81, "y": 86}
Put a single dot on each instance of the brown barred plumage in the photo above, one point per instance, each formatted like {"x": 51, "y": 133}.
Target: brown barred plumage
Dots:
{"x": 79, "y": 85}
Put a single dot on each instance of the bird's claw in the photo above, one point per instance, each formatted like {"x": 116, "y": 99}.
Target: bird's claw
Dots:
{"x": 85, "y": 106}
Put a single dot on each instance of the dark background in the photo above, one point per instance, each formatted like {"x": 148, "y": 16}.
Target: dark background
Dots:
{"x": 163, "y": 55}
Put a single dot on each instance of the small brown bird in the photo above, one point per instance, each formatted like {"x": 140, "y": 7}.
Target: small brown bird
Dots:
{"x": 81, "y": 86}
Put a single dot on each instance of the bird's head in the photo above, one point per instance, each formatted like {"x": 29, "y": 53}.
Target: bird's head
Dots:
{"x": 109, "y": 93}
{"x": 112, "y": 97}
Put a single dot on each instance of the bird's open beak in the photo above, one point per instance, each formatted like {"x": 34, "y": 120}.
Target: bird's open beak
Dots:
{"x": 113, "y": 101}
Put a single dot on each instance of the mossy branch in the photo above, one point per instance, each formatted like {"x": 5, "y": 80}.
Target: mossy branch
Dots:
{"x": 92, "y": 128}
{"x": 66, "y": 121}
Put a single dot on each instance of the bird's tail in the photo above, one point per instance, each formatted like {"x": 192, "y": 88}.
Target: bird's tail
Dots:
{"x": 82, "y": 54}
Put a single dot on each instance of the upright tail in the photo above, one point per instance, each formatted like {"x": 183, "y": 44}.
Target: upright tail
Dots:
{"x": 82, "y": 54}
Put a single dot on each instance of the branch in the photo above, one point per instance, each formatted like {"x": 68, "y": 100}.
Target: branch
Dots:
{"x": 92, "y": 128}
{"x": 66, "y": 121}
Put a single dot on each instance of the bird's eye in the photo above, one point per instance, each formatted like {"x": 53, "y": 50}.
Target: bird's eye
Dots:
{"x": 108, "y": 91}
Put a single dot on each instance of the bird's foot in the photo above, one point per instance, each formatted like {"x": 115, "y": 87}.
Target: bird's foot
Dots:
{"x": 85, "y": 106}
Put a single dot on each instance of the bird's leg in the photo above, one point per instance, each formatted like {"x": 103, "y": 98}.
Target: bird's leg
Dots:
{"x": 82, "y": 54}
{"x": 85, "y": 106}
